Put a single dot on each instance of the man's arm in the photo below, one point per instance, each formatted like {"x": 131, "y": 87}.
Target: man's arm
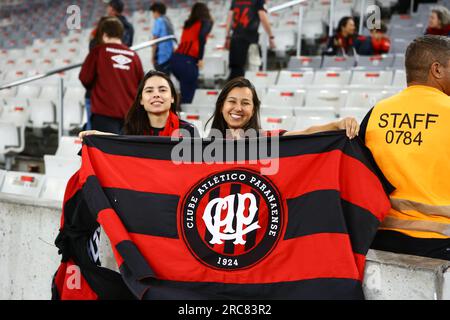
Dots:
{"x": 350, "y": 125}
{"x": 266, "y": 25}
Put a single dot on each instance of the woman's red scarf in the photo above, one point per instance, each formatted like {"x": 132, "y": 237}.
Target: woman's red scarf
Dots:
{"x": 172, "y": 124}
{"x": 444, "y": 31}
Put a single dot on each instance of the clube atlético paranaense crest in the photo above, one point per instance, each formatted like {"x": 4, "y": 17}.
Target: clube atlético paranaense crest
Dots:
{"x": 232, "y": 219}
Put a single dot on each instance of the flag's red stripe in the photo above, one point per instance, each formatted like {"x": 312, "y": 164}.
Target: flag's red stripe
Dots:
{"x": 114, "y": 229}
{"x": 73, "y": 286}
{"x": 325, "y": 255}
{"x": 360, "y": 260}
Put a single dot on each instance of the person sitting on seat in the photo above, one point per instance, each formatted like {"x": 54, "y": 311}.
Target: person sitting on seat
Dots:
{"x": 376, "y": 44}
{"x": 342, "y": 42}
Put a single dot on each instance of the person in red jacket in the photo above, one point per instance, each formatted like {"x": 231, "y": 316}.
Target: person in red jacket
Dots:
{"x": 112, "y": 72}
{"x": 376, "y": 44}
{"x": 188, "y": 57}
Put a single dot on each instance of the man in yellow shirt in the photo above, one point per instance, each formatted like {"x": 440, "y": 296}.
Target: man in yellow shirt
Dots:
{"x": 409, "y": 136}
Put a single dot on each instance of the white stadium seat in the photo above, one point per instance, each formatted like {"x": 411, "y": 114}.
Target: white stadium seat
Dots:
{"x": 73, "y": 114}
{"x": 277, "y": 110}
{"x": 331, "y": 97}
{"x": 364, "y": 98}
{"x": 277, "y": 122}
{"x": 262, "y": 79}
{"x": 284, "y": 97}
{"x": 28, "y": 91}
{"x": 42, "y": 113}
{"x": 324, "y": 112}
{"x": 332, "y": 77}
{"x": 295, "y": 78}
{"x": 344, "y": 63}
{"x": 23, "y": 183}
{"x": 68, "y": 147}
{"x": 377, "y": 62}
{"x": 2, "y": 177}
{"x": 206, "y": 97}
{"x": 300, "y": 63}
{"x": 371, "y": 78}
{"x": 399, "y": 79}
{"x": 58, "y": 170}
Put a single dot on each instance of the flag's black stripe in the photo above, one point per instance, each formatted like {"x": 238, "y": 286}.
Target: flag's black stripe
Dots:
{"x": 251, "y": 237}
{"x": 77, "y": 203}
{"x": 94, "y": 196}
{"x": 134, "y": 260}
{"x": 313, "y": 289}
{"x": 162, "y": 147}
{"x": 320, "y": 211}
{"x": 215, "y": 193}
{"x": 324, "y": 211}
{"x": 229, "y": 246}
{"x": 145, "y": 213}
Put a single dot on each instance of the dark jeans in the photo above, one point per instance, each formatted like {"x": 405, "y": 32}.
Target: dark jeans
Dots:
{"x": 87, "y": 104}
{"x": 106, "y": 124}
{"x": 238, "y": 56}
{"x": 398, "y": 242}
{"x": 163, "y": 67}
{"x": 185, "y": 69}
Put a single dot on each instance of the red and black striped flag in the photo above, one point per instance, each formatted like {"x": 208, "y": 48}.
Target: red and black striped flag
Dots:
{"x": 221, "y": 229}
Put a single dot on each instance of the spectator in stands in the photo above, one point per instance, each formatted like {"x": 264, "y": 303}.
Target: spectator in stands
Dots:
{"x": 112, "y": 72}
{"x": 94, "y": 40}
{"x": 115, "y": 9}
{"x": 439, "y": 21}
{"x": 154, "y": 110}
{"x": 162, "y": 27}
{"x": 408, "y": 136}
{"x": 188, "y": 57}
{"x": 237, "y": 110}
{"x": 377, "y": 43}
{"x": 342, "y": 42}
{"x": 242, "y": 31}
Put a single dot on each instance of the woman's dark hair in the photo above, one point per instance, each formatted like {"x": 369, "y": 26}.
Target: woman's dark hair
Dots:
{"x": 158, "y": 7}
{"x": 98, "y": 38}
{"x": 219, "y": 122}
{"x": 342, "y": 23}
{"x": 199, "y": 12}
{"x": 136, "y": 121}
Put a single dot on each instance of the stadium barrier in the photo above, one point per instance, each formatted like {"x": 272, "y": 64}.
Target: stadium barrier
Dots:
{"x": 28, "y": 228}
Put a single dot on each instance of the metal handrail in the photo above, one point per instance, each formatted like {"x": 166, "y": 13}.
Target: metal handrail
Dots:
{"x": 77, "y": 65}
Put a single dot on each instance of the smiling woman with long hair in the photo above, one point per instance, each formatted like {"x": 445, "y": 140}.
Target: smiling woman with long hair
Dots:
{"x": 154, "y": 110}
{"x": 238, "y": 110}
